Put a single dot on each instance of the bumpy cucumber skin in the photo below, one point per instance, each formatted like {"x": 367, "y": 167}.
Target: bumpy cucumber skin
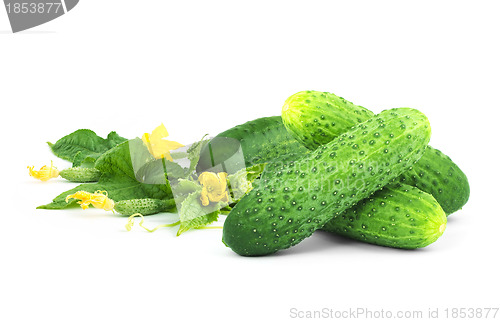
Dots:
{"x": 79, "y": 174}
{"x": 437, "y": 174}
{"x": 307, "y": 115}
{"x": 261, "y": 140}
{"x": 315, "y": 118}
{"x": 398, "y": 216}
{"x": 301, "y": 196}
{"x": 145, "y": 206}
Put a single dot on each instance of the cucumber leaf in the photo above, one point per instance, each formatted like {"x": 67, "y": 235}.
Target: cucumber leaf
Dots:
{"x": 183, "y": 188}
{"x": 119, "y": 178}
{"x": 194, "y": 153}
{"x": 129, "y": 171}
{"x": 83, "y": 147}
{"x": 194, "y": 215}
{"x": 175, "y": 170}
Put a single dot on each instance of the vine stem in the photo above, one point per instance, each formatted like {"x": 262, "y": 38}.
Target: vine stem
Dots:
{"x": 130, "y": 223}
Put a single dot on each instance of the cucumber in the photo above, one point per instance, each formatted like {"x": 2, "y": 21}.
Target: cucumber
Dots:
{"x": 375, "y": 219}
{"x": 146, "y": 206}
{"x": 301, "y": 196}
{"x": 261, "y": 141}
{"x": 309, "y": 116}
{"x": 398, "y": 216}
{"x": 315, "y": 118}
{"x": 436, "y": 174}
{"x": 79, "y": 174}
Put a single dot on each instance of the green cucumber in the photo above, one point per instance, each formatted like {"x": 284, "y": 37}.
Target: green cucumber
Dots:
{"x": 398, "y": 216}
{"x": 80, "y": 174}
{"x": 436, "y": 174}
{"x": 301, "y": 196}
{"x": 261, "y": 140}
{"x": 146, "y": 206}
{"x": 315, "y": 118}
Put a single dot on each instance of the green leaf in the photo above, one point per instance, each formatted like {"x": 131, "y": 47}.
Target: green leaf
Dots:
{"x": 176, "y": 171}
{"x": 113, "y": 139}
{"x": 86, "y": 160}
{"x": 84, "y": 146}
{"x": 119, "y": 178}
{"x": 194, "y": 215}
{"x": 59, "y": 201}
{"x": 194, "y": 153}
{"x": 178, "y": 155}
{"x": 185, "y": 186}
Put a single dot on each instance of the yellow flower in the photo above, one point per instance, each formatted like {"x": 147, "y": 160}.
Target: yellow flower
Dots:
{"x": 214, "y": 187}
{"x": 157, "y": 146}
{"x": 45, "y": 173}
{"x": 98, "y": 199}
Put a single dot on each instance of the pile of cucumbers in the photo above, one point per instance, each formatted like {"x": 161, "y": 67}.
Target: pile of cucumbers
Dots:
{"x": 335, "y": 166}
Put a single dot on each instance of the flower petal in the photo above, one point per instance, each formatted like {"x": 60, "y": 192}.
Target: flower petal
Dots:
{"x": 208, "y": 179}
{"x": 98, "y": 199}
{"x": 159, "y": 147}
{"x": 172, "y": 145}
{"x": 159, "y": 133}
{"x": 214, "y": 186}
{"x": 204, "y": 197}
{"x": 45, "y": 173}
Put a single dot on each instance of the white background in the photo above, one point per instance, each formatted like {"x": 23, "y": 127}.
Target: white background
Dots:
{"x": 202, "y": 67}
